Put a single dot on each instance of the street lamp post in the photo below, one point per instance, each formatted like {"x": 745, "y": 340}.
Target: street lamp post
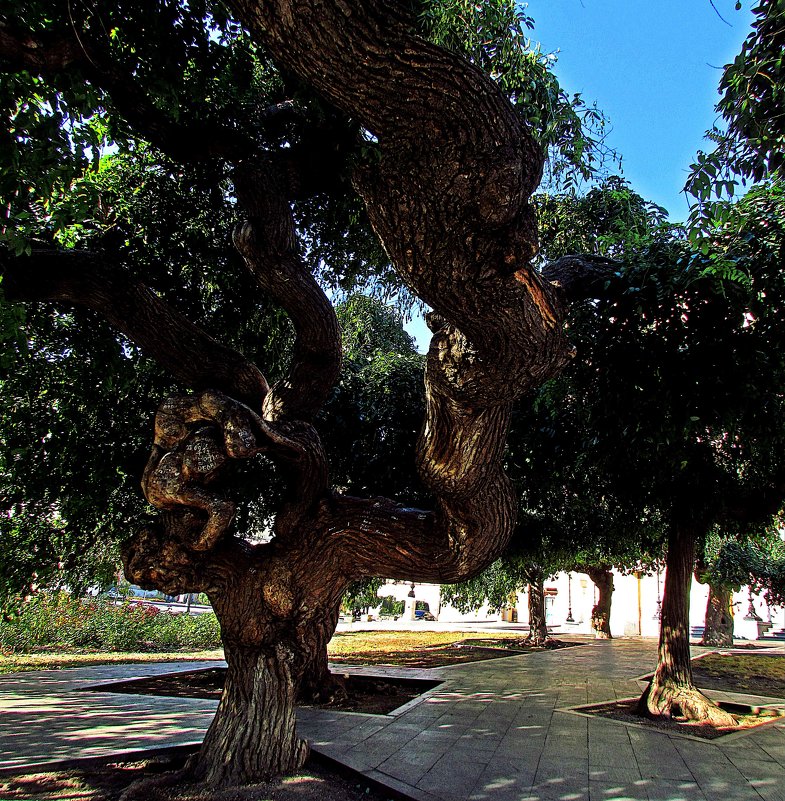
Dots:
{"x": 751, "y": 612}
{"x": 570, "y": 618}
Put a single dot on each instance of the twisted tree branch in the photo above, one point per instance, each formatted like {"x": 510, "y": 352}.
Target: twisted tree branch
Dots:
{"x": 580, "y": 276}
{"x": 268, "y": 242}
{"x": 92, "y": 280}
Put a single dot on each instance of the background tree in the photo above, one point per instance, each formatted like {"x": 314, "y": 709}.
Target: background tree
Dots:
{"x": 582, "y": 522}
{"x": 757, "y": 561}
{"x": 680, "y": 392}
{"x": 716, "y": 568}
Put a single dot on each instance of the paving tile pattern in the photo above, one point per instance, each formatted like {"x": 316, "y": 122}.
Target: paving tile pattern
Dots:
{"x": 492, "y": 731}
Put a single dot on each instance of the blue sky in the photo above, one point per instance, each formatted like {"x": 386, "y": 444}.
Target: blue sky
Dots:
{"x": 653, "y": 67}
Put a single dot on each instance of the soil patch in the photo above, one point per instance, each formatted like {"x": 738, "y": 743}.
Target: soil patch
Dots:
{"x": 442, "y": 655}
{"x": 106, "y": 781}
{"x": 369, "y": 694}
{"x": 624, "y": 711}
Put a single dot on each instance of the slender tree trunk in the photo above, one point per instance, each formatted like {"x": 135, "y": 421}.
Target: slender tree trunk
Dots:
{"x": 538, "y": 629}
{"x": 718, "y": 629}
{"x": 671, "y": 692}
{"x": 601, "y": 613}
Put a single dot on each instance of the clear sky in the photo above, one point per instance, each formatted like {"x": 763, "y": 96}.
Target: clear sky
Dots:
{"x": 653, "y": 67}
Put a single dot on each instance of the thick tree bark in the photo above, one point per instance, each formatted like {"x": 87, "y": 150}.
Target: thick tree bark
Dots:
{"x": 252, "y": 736}
{"x": 601, "y": 613}
{"x": 538, "y": 628}
{"x": 274, "y": 621}
{"x": 448, "y": 196}
{"x": 317, "y": 682}
{"x": 718, "y": 627}
{"x": 277, "y": 611}
{"x": 671, "y": 692}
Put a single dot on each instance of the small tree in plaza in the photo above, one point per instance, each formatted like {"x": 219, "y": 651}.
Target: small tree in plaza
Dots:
{"x": 682, "y": 391}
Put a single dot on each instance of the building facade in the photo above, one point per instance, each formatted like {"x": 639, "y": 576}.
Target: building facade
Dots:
{"x": 570, "y": 598}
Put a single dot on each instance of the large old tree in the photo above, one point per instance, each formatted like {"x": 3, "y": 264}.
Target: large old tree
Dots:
{"x": 359, "y": 101}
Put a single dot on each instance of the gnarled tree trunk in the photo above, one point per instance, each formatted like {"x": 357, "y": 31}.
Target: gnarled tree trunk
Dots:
{"x": 718, "y": 626}
{"x": 538, "y": 628}
{"x": 671, "y": 692}
{"x": 446, "y": 190}
{"x": 317, "y": 682}
{"x": 274, "y": 619}
{"x": 601, "y": 612}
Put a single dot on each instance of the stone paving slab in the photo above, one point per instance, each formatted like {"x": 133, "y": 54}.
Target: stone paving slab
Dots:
{"x": 492, "y": 731}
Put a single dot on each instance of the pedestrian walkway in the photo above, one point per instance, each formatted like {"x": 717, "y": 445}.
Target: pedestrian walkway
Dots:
{"x": 492, "y": 731}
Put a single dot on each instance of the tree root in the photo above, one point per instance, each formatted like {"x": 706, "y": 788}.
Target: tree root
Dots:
{"x": 226, "y": 775}
{"x": 148, "y": 788}
{"x": 538, "y": 641}
{"x": 717, "y": 639}
{"x": 683, "y": 703}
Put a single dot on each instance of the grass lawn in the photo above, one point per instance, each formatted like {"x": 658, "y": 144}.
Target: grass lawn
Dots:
{"x": 412, "y": 648}
{"x": 757, "y": 674}
{"x": 56, "y": 660}
{"x": 405, "y": 648}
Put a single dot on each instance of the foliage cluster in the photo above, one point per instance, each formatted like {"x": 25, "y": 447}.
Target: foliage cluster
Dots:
{"x": 672, "y": 408}
{"x": 77, "y": 408}
{"x": 678, "y": 388}
{"x": 494, "y": 586}
{"x": 370, "y": 424}
{"x": 494, "y": 35}
{"x": 64, "y": 620}
{"x": 756, "y": 561}
{"x": 750, "y": 147}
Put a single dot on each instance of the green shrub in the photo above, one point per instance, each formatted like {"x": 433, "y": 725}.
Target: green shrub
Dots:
{"x": 62, "y": 620}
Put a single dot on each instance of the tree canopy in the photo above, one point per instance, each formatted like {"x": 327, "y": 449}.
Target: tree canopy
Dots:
{"x": 208, "y": 179}
{"x": 750, "y": 143}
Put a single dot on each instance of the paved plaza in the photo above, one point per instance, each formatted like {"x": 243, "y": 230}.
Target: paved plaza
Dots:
{"x": 492, "y": 731}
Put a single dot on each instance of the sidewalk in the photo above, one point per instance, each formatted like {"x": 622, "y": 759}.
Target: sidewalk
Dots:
{"x": 493, "y": 730}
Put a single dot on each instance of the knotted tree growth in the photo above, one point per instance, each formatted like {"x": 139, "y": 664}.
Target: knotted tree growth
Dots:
{"x": 307, "y": 108}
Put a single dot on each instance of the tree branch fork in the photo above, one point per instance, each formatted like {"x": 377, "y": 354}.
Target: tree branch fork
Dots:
{"x": 461, "y": 237}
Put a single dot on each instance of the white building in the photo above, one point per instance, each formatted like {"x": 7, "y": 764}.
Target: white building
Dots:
{"x": 570, "y": 597}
